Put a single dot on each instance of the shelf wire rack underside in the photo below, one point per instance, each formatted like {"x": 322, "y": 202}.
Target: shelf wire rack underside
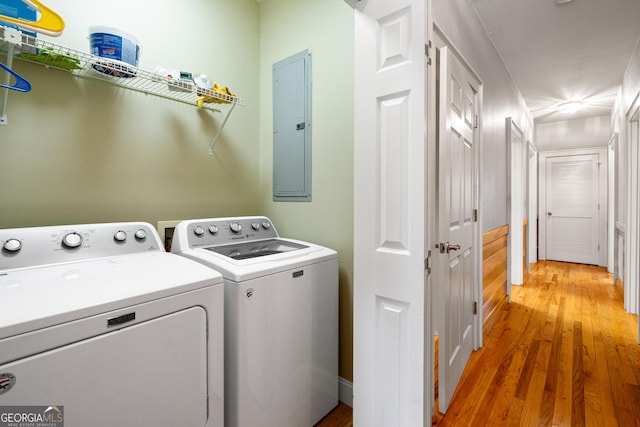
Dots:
{"x": 120, "y": 74}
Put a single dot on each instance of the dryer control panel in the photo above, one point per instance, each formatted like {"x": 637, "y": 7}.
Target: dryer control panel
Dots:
{"x": 221, "y": 231}
{"x": 37, "y": 246}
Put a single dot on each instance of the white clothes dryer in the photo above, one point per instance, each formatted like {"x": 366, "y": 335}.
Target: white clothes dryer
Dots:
{"x": 281, "y": 319}
{"x": 101, "y": 324}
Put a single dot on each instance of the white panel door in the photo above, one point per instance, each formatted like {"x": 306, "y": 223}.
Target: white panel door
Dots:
{"x": 457, "y": 183}
{"x": 389, "y": 215}
{"x": 572, "y": 208}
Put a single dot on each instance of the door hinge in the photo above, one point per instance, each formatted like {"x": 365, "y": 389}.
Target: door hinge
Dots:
{"x": 475, "y": 122}
{"x": 427, "y": 51}
{"x": 475, "y": 307}
{"x": 475, "y": 215}
{"x": 427, "y": 263}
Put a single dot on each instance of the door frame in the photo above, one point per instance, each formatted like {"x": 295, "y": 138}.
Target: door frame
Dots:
{"x": 516, "y": 151}
{"x": 532, "y": 204}
{"x": 612, "y": 203}
{"x": 602, "y": 198}
{"x": 440, "y": 40}
{"x": 632, "y": 222}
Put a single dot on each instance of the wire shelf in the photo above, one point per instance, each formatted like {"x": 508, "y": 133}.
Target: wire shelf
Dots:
{"x": 119, "y": 73}
{"x": 28, "y": 48}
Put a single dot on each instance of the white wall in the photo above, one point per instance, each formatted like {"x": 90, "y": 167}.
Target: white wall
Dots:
{"x": 630, "y": 89}
{"x": 618, "y": 125}
{"x": 631, "y": 81}
{"x": 578, "y": 133}
{"x": 459, "y": 23}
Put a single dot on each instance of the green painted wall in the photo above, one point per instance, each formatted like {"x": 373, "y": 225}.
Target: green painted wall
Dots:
{"x": 78, "y": 150}
{"x": 326, "y": 28}
{"x": 81, "y": 151}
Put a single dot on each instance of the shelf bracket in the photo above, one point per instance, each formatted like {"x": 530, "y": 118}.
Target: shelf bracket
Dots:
{"x": 5, "y": 91}
{"x": 224, "y": 122}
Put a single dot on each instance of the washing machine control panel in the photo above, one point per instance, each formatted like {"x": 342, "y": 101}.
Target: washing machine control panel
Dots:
{"x": 221, "y": 231}
{"x": 35, "y": 246}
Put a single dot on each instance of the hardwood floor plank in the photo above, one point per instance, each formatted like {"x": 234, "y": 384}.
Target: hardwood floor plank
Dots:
{"x": 527, "y": 372}
{"x": 531, "y": 407}
{"x": 634, "y": 392}
{"x": 505, "y": 412}
{"x": 341, "y": 416}
{"x": 603, "y": 384}
{"x": 614, "y": 367}
{"x": 562, "y": 407}
{"x": 627, "y": 360}
{"x": 470, "y": 409}
{"x": 598, "y": 410}
{"x": 577, "y": 378}
{"x": 496, "y": 388}
{"x": 553, "y": 369}
{"x": 500, "y": 413}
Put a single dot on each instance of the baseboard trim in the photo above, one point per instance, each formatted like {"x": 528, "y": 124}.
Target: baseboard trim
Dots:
{"x": 345, "y": 391}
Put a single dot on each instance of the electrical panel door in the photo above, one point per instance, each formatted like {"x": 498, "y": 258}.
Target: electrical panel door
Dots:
{"x": 292, "y": 128}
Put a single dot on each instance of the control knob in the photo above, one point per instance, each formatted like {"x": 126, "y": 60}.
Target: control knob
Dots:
{"x": 120, "y": 236}
{"x": 12, "y": 245}
{"x": 213, "y": 229}
{"x": 235, "y": 227}
{"x": 255, "y": 226}
{"x": 140, "y": 234}
{"x": 72, "y": 240}
{"x": 266, "y": 225}
{"x": 198, "y": 231}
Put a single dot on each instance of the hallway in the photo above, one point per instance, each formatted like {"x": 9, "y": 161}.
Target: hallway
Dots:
{"x": 564, "y": 352}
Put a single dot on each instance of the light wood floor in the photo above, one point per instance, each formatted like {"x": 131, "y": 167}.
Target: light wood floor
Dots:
{"x": 342, "y": 416}
{"x": 563, "y": 353}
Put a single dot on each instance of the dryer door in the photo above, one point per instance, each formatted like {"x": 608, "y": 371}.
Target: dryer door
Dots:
{"x": 150, "y": 374}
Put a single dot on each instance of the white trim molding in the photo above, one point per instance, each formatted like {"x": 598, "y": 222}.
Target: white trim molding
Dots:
{"x": 632, "y": 226}
{"x": 345, "y": 391}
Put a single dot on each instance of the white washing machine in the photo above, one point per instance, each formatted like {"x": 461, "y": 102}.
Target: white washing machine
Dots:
{"x": 100, "y": 323}
{"x": 281, "y": 319}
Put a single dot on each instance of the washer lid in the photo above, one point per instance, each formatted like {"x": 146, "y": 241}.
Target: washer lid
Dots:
{"x": 255, "y": 249}
{"x": 44, "y": 296}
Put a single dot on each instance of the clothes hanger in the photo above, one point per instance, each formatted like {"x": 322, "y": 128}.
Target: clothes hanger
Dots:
{"x": 22, "y": 84}
{"x": 50, "y": 23}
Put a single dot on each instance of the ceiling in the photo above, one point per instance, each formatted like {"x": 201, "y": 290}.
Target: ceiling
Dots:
{"x": 558, "y": 52}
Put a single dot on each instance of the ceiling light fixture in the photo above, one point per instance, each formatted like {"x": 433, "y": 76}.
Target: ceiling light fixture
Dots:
{"x": 570, "y": 106}
{"x": 563, "y": 1}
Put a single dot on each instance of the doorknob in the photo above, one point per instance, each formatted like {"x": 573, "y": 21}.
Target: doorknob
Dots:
{"x": 452, "y": 248}
{"x": 549, "y": 214}
{"x": 447, "y": 247}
